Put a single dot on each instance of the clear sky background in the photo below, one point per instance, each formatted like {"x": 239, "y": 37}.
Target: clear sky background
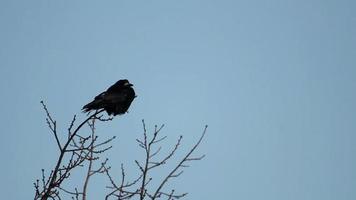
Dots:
{"x": 274, "y": 80}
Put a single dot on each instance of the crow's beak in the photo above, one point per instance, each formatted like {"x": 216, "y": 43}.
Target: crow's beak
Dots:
{"x": 128, "y": 84}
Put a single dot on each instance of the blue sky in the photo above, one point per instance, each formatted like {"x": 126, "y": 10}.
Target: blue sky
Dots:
{"x": 274, "y": 80}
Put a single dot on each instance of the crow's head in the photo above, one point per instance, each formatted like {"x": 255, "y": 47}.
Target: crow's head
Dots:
{"x": 124, "y": 83}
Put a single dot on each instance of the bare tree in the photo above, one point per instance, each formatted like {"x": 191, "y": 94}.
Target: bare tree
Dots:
{"x": 79, "y": 150}
{"x": 73, "y": 152}
{"x": 139, "y": 186}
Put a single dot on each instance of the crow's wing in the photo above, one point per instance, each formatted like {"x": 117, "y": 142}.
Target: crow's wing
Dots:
{"x": 114, "y": 88}
{"x": 115, "y": 97}
{"x": 100, "y": 96}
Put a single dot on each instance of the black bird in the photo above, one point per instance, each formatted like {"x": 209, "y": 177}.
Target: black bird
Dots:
{"x": 116, "y": 100}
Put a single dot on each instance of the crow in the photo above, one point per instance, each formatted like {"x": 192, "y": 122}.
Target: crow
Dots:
{"x": 115, "y": 101}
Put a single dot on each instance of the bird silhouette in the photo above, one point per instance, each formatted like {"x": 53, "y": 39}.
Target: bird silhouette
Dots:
{"x": 116, "y": 100}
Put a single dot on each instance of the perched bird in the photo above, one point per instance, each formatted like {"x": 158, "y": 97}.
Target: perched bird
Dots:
{"x": 116, "y": 100}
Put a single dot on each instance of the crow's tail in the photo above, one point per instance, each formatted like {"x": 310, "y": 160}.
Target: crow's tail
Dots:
{"x": 94, "y": 105}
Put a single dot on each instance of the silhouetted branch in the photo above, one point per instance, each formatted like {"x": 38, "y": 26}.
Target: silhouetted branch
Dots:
{"x": 79, "y": 149}
{"x": 131, "y": 189}
{"x": 52, "y": 124}
{"x": 173, "y": 173}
